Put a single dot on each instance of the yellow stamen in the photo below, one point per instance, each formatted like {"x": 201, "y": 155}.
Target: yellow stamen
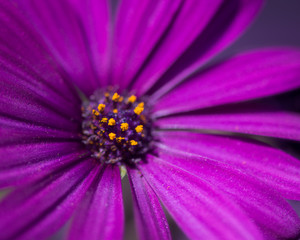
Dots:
{"x": 106, "y": 95}
{"x": 96, "y": 113}
{"x": 124, "y": 126}
{"x": 139, "y": 108}
{"x": 132, "y": 99}
{"x": 139, "y": 128}
{"x": 104, "y": 120}
{"x": 133, "y": 143}
{"x": 121, "y": 99}
{"x": 141, "y": 104}
{"x": 101, "y": 107}
{"x": 115, "y": 97}
{"x": 115, "y": 111}
{"x": 119, "y": 139}
{"x": 112, "y": 136}
{"x": 111, "y": 122}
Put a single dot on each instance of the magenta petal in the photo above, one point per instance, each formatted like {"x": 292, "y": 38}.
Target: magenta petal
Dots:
{"x": 96, "y": 19}
{"x": 101, "y": 215}
{"x": 24, "y": 55}
{"x": 149, "y": 215}
{"x": 24, "y": 163}
{"x": 38, "y": 210}
{"x": 139, "y": 27}
{"x": 201, "y": 30}
{"x": 62, "y": 25}
{"x": 253, "y": 122}
{"x": 245, "y": 77}
{"x": 271, "y": 213}
{"x": 192, "y": 17}
{"x": 199, "y": 208}
{"x": 270, "y": 165}
{"x": 29, "y": 82}
{"x": 18, "y": 131}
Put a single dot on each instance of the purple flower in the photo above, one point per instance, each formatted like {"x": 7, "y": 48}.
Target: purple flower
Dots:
{"x": 87, "y": 92}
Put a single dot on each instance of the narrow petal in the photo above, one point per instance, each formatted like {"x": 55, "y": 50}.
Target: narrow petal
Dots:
{"x": 270, "y": 165}
{"x": 17, "y": 131}
{"x": 150, "y": 218}
{"x": 252, "y": 122}
{"x": 24, "y": 55}
{"x": 189, "y": 22}
{"x": 38, "y": 210}
{"x": 31, "y": 88}
{"x": 101, "y": 216}
{"x": 200, "y": 209}
{"x": 25, "y": 163}
{"x": 271, "y": 213}
{"x": 201, "y": 30}
{"x": 245, "y": 77}
{"x": 75, "y": 42}
{"x": 139, "y": 27}
{"x": 97, "y": 28}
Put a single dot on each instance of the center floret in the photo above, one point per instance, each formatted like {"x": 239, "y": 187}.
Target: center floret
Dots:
{"x": 116, "y": 129}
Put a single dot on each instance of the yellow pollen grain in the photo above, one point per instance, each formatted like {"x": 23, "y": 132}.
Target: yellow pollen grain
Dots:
{"x": 132, "y": 99}
{"x": 96, "y": 113}
{"x": 121, "y": 99}
{"x": 124, "y": 126}
{"x": 111, "y": 122}
{"x": 133, "y": 143}
{"x": 104, "y": 120}
{"x": 138, "y": 110}
{"x": 141, "y": 104}
{"x": 106, "y": 94}
{"x": 101, "y": 107}
{"x": 115, "y": 97}
{"x": 112, "y": 136}
{"x": 139, "y": 128}
{"x": 115, "y": 111}
{"x": 119, "y": 139}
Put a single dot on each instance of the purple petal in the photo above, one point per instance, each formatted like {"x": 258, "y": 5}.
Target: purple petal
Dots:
{"x": 67, "y": 30}
{"x": 252, "y": 122}
{"x": 37, "y": 211}
{"x": 101, "y": 216}
{"x": 271, "y": 213}
{"x": 270, "y": 165}
{"x": 139, "y": 27}
{"x": 199, "y": 208}
{"x": 97, "y": 24}
{"x": 24, "y": 55}
{"x": 189, "y": 22}
{"x": 245, "y": 77}
{"x": 149, "y": 215}
{"x": 17, "y": 131}
{"x": 201, "y": 30}
{"x": 30, "y": 87}
{"x": 24, "y": 163}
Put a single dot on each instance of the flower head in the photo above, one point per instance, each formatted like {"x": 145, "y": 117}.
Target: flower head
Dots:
{"x": 87, "y": 96}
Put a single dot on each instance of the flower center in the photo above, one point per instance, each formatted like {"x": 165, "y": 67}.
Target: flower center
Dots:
{"x": 115, "y": 128}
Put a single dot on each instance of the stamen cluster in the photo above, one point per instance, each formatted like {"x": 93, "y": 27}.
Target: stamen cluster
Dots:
{"x": 116, "y": 129}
